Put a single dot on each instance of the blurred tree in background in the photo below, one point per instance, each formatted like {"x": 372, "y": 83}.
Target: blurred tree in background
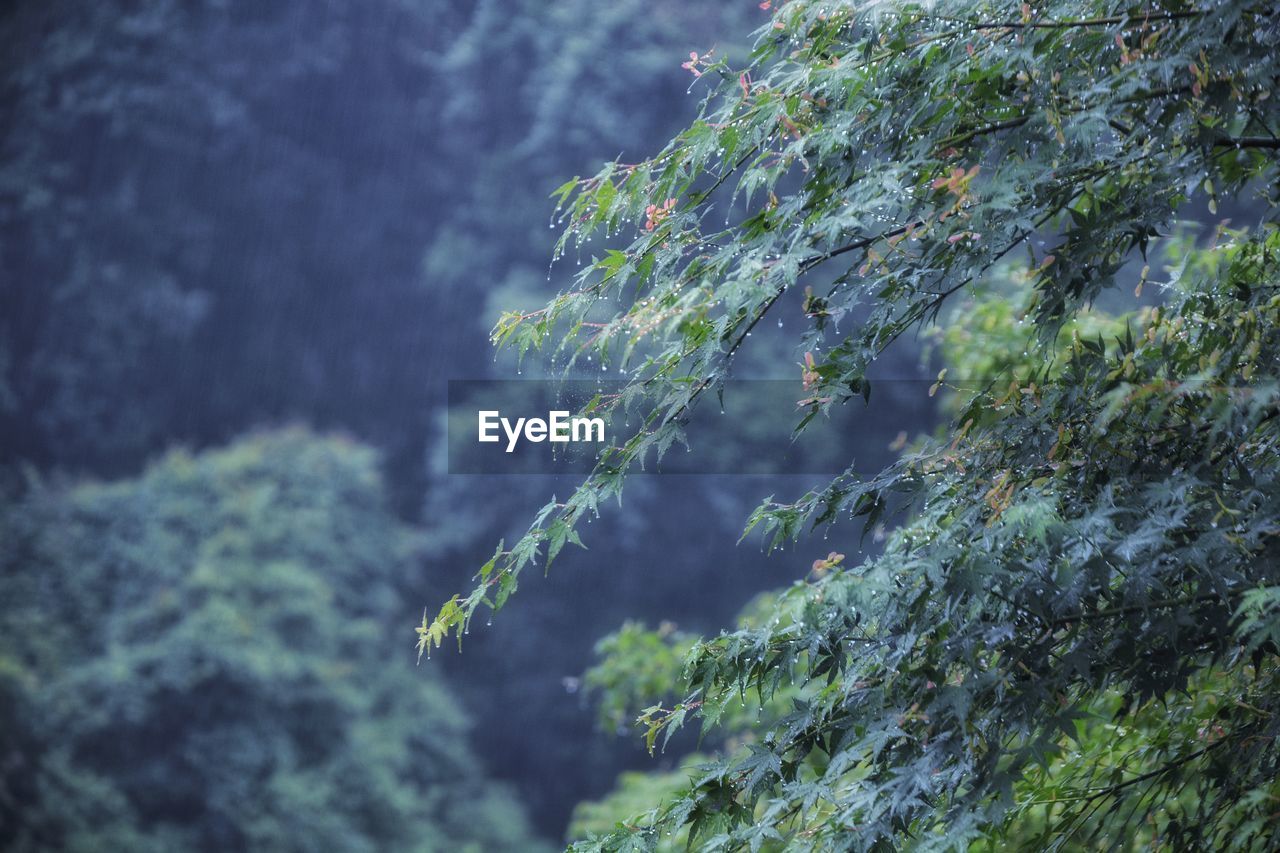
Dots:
{"x": 229, "y": 214}
{"x": 205, "y": 658}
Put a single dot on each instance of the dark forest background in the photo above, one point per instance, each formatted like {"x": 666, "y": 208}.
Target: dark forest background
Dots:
{"x": 254, "y": 224}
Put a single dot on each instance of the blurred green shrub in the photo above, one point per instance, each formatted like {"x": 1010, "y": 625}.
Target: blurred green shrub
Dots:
{"x": 206, "y": 658}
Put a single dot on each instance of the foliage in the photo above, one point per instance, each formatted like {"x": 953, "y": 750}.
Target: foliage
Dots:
{"x": 634, "y": 794}
{"x": 197, "y": 659}
{"x": 987, "y": 335}
{"x": 635, "y": 667}
{"x": 1089, "y": 529}
{"x": 1112, "y": 747}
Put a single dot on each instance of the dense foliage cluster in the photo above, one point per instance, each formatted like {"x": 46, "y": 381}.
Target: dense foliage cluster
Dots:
{"x": 198, "y": 659}
{"x": 1075, "y": 632}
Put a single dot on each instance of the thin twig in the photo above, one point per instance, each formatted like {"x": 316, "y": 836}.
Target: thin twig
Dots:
{"x": 1138, "y": 17}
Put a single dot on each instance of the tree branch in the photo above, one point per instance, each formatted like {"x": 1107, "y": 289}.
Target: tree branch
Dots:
{"x": 1248, "y": 142}
{"x": 1140, "y": 608}
{"x": 1140, "y": 16}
